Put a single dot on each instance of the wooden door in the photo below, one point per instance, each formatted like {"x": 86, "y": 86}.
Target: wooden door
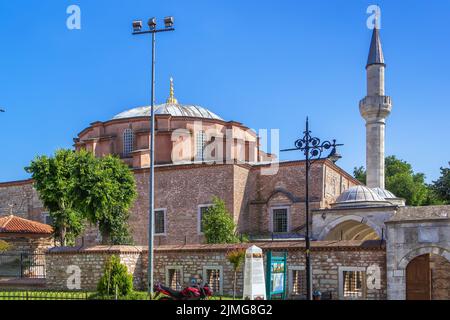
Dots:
{"x": 418, "y": 279}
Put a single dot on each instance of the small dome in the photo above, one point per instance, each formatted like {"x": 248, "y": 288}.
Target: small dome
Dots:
{"x": 359, "y": 196}
{"x": 175, "y": 110}
{"x": 358, "y": 193}
{"x": 383, "y": 193}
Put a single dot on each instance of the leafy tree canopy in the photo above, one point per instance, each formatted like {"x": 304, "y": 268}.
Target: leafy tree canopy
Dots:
{"x": 402, "y": 181}
{"x": 105, "y": 191}
{"x": 77, "y": 187}
{"x": 54, "y": 181}
{"x": 441, "y": 187}
{"x": 360, "y": 174}
{"x": 218, "y": 224}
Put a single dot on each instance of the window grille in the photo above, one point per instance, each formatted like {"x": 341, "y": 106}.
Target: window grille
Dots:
{"x": 299, "y": 282}
{"x": 280, "y": 220}
{"x": 174, "y": 281}
{"x": 160, "y": 225}
{"x": 48, "y": 218}
{"x": 200, "y": 145}
{"x": 213, "y": 279}
{"x": 128, "y": 140}
{"x": 353, "y": 284}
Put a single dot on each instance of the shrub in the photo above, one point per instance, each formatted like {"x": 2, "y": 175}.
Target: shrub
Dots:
{"x": 4, "y": 246}
{"x": 116, "y": 281}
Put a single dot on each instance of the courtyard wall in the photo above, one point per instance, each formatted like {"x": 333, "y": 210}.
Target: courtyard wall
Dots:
{"x": 328, "y": 259}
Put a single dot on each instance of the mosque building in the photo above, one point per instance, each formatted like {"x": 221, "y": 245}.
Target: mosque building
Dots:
{"x": 199, "y": 155}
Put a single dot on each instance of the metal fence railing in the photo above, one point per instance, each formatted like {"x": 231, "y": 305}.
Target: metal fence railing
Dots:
{"x": 43, "y": 295}
{"x": 22, "y": 265}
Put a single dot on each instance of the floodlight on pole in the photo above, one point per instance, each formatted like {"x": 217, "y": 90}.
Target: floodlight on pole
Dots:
{"x": 152, "y": 23}
{"x": 168, "y": 22}
{"x": 137, "y": 30}
{"x": 137, "y": 25}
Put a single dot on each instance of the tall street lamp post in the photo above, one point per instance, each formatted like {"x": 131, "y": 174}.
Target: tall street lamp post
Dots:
{"x": 137, "y": 30}
{"x": 312, "y": 148}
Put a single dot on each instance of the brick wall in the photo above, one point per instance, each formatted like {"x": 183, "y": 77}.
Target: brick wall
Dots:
{"x": 440, "y": 278}
{"x": 327, "y": 258}
{"x": 248, "y": 195}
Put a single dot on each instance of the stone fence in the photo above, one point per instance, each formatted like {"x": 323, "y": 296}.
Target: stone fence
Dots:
{"x": 329, "y": 260}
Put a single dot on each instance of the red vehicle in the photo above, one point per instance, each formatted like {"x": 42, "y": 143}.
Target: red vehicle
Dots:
{"x": 195, "y": 292}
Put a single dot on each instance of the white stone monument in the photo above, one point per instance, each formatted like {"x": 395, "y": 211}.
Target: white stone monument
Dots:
{"x": 254, "y": 284}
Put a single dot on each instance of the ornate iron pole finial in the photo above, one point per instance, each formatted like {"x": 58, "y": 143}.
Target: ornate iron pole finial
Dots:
{"x": 171, "y": 99}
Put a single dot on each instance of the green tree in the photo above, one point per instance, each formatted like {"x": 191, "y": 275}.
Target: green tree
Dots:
{"x": 105, "y": 191}
{"x": 54, "y": 181}
{"x": 218, "y": 224}
{"x": 402, "y": 181}
{"x": 360, "y": 174}
{"x": 115, "y": 281}
{"x": 441, "y": 187}
{"x": 77, "y": 187}
{"x": 236, "y": 258}
{"x": 119, "y": 229}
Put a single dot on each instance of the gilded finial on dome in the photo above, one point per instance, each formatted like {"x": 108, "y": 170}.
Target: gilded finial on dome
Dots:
{"x": 171, "y": 99}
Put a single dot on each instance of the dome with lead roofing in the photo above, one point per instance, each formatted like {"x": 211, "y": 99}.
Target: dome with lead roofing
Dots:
{"x": 171, "y": 107}
{"x": 383, "y": 193}
{"x": 175, "y": 110}
{"x": 359, "y": 196}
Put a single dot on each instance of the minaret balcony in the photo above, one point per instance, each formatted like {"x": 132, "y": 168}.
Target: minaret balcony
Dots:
{"x": 375, "y": 107}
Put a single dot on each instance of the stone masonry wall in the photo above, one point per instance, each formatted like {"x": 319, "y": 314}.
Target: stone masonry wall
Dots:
{"x": 327, "y": 258}
{"x": 20, "y": 199}
{"x": 91, "y": 263}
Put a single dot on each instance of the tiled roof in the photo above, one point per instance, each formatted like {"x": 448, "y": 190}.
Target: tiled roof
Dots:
{"x": 13, "y": 224}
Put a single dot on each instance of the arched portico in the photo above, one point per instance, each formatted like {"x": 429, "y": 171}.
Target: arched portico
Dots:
{"x": 351, "y": 227}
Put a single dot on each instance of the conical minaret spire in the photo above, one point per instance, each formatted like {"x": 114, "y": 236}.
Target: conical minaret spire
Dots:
{"x": 375, "y": 108}
{"x": 376, "y": 51}
{"x": 171, "y": 99}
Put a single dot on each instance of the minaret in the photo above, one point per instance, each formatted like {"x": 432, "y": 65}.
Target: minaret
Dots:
{"x": 375, "y": 108}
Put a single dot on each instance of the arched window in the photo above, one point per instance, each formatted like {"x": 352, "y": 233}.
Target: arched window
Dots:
{"x": 128, "y": 140}
{"x": 200, "y": 145}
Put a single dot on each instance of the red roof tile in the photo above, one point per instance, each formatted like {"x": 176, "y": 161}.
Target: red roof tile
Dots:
{"x": 13, "y": 224}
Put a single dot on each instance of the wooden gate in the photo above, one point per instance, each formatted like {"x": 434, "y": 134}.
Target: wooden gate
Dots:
{"x": 418, "y": 278}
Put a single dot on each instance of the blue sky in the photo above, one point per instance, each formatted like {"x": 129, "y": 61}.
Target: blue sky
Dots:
{"x": 267, "y": 64}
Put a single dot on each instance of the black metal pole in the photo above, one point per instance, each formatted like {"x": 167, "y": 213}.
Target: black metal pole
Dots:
{"x": 307, "y": 240}
{"x": 312, "y": 148}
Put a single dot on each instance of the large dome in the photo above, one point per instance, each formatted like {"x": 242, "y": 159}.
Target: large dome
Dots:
{"x": 175, "y": 110}
{"x": 171, "y": 107}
